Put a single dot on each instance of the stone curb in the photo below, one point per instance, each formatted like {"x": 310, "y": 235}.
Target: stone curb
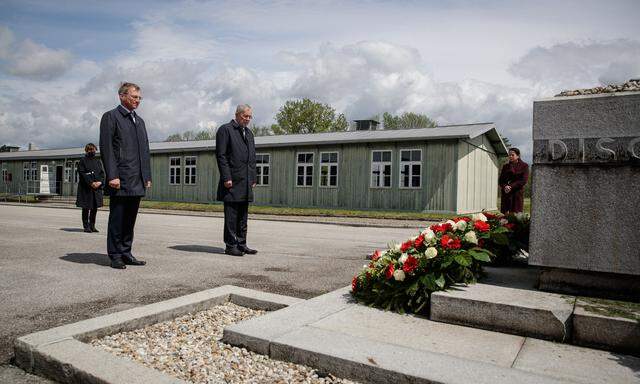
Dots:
{"x": 522, "y": 312}
{"x": 606, "y": 332}
{"x": 61, "y": 354}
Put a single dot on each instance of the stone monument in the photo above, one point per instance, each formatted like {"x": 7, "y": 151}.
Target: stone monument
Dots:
{"x": 585, "y": 219}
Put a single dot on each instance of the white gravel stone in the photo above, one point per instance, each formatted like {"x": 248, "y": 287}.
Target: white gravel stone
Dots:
{"x": 190, "y": 349}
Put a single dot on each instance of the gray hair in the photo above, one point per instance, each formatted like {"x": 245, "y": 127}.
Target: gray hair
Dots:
{"x": 124, "y": 88}
{"x": 242, "y": 107}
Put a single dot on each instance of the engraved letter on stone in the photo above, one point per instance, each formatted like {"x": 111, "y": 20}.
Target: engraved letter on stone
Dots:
{"x": 557, "y": 155}
{"x": 605, "y": 153}
{"x": 632, "y": 149}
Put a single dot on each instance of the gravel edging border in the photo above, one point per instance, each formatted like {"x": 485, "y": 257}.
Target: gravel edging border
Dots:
{"x": 61, "y": 353}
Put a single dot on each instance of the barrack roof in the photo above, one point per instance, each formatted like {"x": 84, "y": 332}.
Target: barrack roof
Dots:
{"x": 466, "y": 131}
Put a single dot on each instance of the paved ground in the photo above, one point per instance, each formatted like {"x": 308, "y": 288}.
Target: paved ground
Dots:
{"x": 51, "y": 273}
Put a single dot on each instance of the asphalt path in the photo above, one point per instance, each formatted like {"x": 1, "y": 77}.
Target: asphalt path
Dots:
{"x": 52, "y": 273}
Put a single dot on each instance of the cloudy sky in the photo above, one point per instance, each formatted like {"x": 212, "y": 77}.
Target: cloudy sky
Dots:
{"x": 457, "y": 61}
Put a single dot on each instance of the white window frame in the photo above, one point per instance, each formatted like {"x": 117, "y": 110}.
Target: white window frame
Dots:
{"x": 306, "y": 172}
{"x": 26, "y": 171}
{"x": 34, "y": 171}
{"x": 76, "y": 175}
{"x": 177, "y": 171}
{"x": 190, "y": 171}
{"x": 328, "y": 165}
{"x": 68, "y": 165}
{"x": 262, "y": 166}
{"x": 410, "y": 163}
{"x": 5, "y": 174}
{"x": 382, "y": 164}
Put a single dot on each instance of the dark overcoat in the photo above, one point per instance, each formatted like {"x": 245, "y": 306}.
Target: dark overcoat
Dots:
{"x": 89, "y": 170}
{"x": 236, "y": 156}
{"x": 516, "y": 176}
{"x": 124, "y": 149}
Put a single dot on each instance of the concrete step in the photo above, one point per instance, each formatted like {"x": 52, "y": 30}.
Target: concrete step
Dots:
{"x": 516, "y": 311}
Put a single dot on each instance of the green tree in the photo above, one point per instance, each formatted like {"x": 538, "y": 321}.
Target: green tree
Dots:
{"x": 262, "y": 130}
{"x": 407, "y": 120}
{"x": 307, "y": 116}
{"x": 192, "y": 136}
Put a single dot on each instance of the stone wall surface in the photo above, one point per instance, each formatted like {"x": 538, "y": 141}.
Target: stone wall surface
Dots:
{"x": 586, "y": 183}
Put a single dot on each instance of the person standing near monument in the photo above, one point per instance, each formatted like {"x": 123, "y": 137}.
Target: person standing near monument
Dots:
{"x": 91, "y": 180}
{"x": 124, "y": 149}
{"x": 513, "y": 177}
{"x": 236, "y": 157}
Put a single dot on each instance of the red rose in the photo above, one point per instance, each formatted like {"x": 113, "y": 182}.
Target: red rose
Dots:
{"x": 481, "y": 226}
{"x": 462, "y": 218}
{"x": 376, "y": 255}
{"x": 450, "y": 242}
{"x": 489, "y": 216}
{"x": 419, "y": 241}
{"x": 354, "y": 283}
{"x": 444, "y": 227}
{"x": 511, "y": 226}
{"x": 406, "y": 246}
{"x": 410, "y": 264}
{"x": 390, "y": 270}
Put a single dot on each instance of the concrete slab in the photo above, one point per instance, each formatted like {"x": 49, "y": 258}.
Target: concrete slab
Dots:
{"x": 377, "y": 362}
{"x": 516, "y": 311}
{"x": 577, "y": 364}
{"x": 376, "y": 325}
{"x": 60, "y": 354}
{"x": 611, "y": 325}
{"x": 256, "y": 334}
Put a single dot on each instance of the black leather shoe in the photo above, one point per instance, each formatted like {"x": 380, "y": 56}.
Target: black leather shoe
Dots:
{"x": 87, "y": 229}
{"x": 118, "y": 264}
{"x": 247, "y": 250}
{"x": 233, "y": 251}
{"x": 130, "y": 260}
{"x": 93, "y": 229}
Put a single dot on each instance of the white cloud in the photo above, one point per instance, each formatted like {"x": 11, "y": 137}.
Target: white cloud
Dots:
{"x": 31, "y": 60}
{"x": 574, "y": 65}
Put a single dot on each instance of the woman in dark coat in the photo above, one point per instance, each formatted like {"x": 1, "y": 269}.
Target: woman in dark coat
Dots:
{"x": 513, "y": 178}
{"x": 90, "y": 187}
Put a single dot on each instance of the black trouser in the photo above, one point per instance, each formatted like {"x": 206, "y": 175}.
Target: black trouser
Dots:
{"x": 89, "y": 217}
{"x": 235, "y": 224}
{"x": 122, "y": 219}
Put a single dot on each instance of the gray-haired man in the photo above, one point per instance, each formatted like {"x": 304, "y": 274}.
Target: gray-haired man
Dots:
{"x": 236, "y": 156}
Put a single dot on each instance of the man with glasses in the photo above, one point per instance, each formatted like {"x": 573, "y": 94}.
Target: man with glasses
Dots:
{"x": 124, "y": 149}
{"x": 236, "y": 157}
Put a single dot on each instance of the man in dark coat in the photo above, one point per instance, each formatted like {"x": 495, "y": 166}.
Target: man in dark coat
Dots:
{"x": 513, "y": 177}
{"x": 236, "y": 156}
{"x": 124, "y": 149}
{"x": 90, "y": 183}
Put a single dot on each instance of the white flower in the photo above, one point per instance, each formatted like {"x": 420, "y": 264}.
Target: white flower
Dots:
{"x": 429, "y": 236}
{"x": 504, "y": 221}
{"x": 430, "y": 253}
{"x": 451, "y": 223}
{"x": 403, "y": 258}
{"x": 460, "y": 225}
{"x": 396, "y": 246}
{"x": 471, "y": 237}
{"x": 398, "y": 274}
{"x": 479, "y": 216}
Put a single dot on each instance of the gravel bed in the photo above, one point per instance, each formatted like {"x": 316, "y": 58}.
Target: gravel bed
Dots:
{"x": 632, "y": 85}
{"x": 190, "y": 349}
